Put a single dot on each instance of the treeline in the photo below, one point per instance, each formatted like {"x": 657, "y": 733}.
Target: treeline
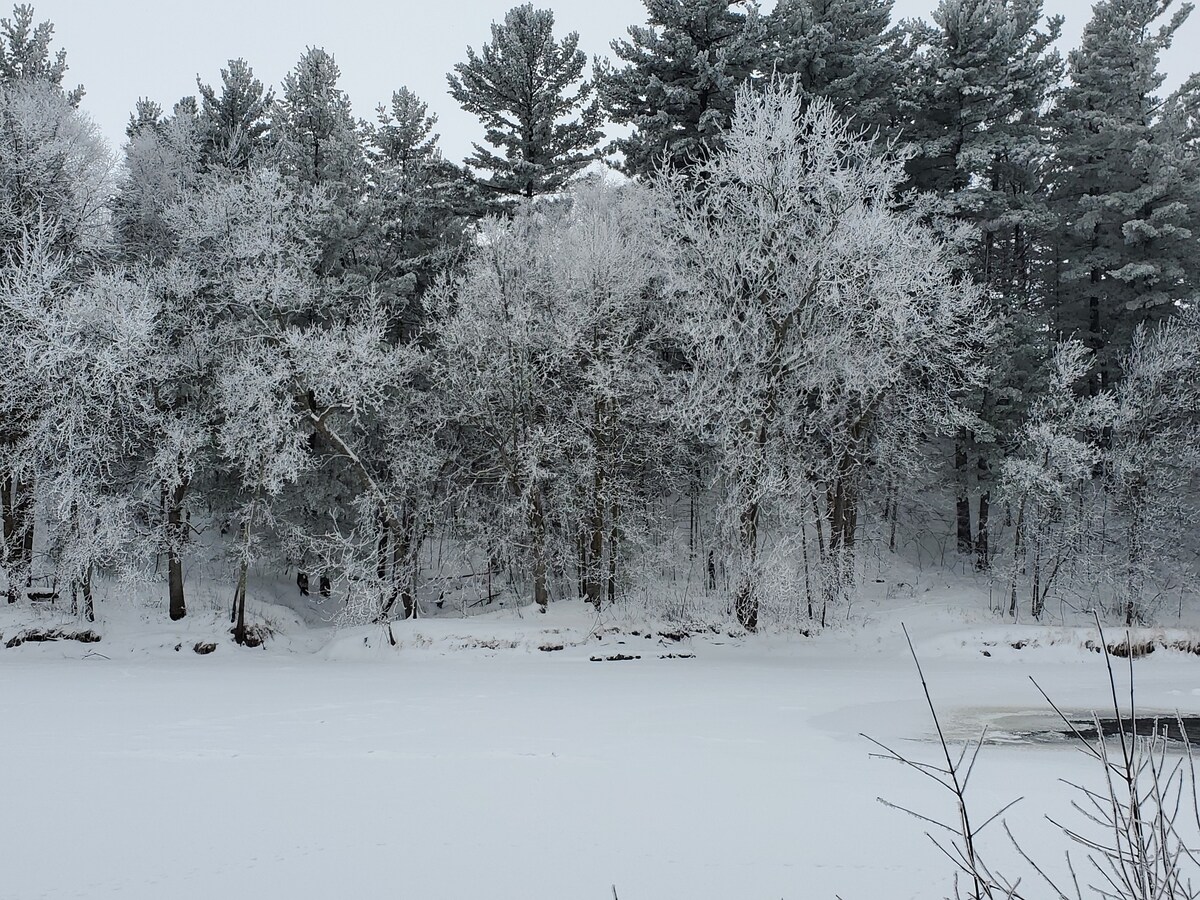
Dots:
{"x": 847, "y": 251}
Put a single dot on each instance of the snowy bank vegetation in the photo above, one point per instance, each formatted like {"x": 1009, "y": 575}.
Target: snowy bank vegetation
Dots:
{"x": 915, "y": 268}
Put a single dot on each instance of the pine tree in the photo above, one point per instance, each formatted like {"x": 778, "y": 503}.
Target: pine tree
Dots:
{"x": 25, "y": 52}
{"x": 237, "y": 120}
{"x": 314, "y": 127}
{"x": 320, "y": 145}
{"x": 523, "y": 86}
{"x": 1124, "y": 186}
{"x": 844, "y": 50}
{"x": 981, "y": 75}
{"x": 680, "y": 73}
{"x": 423, "y": 204}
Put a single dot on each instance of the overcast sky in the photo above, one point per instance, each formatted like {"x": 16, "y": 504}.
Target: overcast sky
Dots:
{"x": 124, "y": 49}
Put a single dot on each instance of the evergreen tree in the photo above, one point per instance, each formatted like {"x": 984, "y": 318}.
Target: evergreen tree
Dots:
{"x": 1125, "y": 184}
{"x": 680, "y": 73}
{"x": 844, "y": 50}
{"x": 147, "y": 115}
{"x": 25, "y": 52}
{"x": 312, "y": 123}
{"x": 320, "y": 145}
{"x": 981, "y": 75}
{"x": 423, "y": 205}
{"x": 237, "y": 120}
{"x": 523, "y": 86}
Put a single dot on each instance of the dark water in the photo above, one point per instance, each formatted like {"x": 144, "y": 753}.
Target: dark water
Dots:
{"x": 1145, "y": 726}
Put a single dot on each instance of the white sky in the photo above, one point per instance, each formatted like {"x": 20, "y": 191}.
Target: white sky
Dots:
{"x": 124, "y": 49}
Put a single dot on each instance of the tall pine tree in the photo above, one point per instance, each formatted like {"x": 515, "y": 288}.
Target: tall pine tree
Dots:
{"x": 1125, "y": 185}
{"x": 844, "y": 50}
{"x": 236, "y": 119}
{"x": 25, "y": 52}
{"x": 528, "y": 90}
{"x": 678, "y": 78}
{"x": 982, "y": 74}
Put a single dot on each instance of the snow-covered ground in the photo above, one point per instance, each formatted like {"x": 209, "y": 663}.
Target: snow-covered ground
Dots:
{"x": 467, "y": 762}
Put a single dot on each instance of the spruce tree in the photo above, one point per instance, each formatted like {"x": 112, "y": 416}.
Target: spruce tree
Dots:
{"x": 680, "y": 73}
{"x": 1124, "y": 184}
{"x": 528, "y": 90}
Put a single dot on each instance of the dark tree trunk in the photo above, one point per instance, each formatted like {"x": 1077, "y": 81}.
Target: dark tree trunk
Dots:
{"x": 593, "y": 582}
{"x": 239, "y": 605}
{"x": 612, "y": 555}
{"x": 239, "y": 597}
{"x": 1036, "y": 601}
{"x": 89, "y": 608}
{"x": 745, "y": 601}
{"x": 962, "y": 505}
{"x": 537, "y": 533}
{"x": 401, "y": 552}
{"x": 381, "y": 554}
{"x": 8, "y": 513}
{"x": 175, "y": 538}
{"x": 982, "y": 552}
{"x": 1018, "y": 549}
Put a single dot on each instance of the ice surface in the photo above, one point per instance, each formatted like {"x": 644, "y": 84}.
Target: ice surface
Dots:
{"x": 443, "y": 768}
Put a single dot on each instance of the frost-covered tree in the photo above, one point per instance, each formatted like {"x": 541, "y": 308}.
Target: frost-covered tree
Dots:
{"x": 821, "y": 319}
{"x": 1124, "y": 185}
{"x": 547, "y": 339}
{"x": 1153, "y": 466}
{"x": 1047, "y": 479}
{"x": 981, "y": 77}
{"x": 314, "y": 127}
{"x": 25, "y": 53}
{"x": 605, "y": 270}
{"x": 236, "y": 119}
{"x": 54, "y": 181}
{"x": 676, "y": 79}
{"x": 529, "y": 91}
{"x": 423, "y": 204}
{"x": 163, "y": 163}
{"x": 844, "y": 50}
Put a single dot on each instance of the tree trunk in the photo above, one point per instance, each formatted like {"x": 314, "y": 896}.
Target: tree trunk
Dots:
{"x": 239, "y": 604}
{"x": 613, "y": 536}
{"x": 381, "y": 562}
{"x": 537, "y": 534}
{"x": 1016, "y": 561}
{"x": 1036, "y": 599}
{"x": 401, "y": 550}
{"x": 745, "y": 601}
{"x": 8, "y": 514}
{"x": 982, "y": 553}
{"x": 593, "y": 582}
{"x": 89, "y": 609}
{"x": 8, "y": 507}
{"x": 175, "y": 539}
{"x": 962, "y": 505}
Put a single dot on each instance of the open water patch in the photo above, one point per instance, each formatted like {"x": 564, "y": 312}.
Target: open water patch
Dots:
{"x": 1036, "y": 727}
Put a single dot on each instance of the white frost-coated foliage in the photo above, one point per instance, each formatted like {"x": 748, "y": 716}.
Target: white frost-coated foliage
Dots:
{"x": 822, "y": 318}
{"x": 548, "y": 346}
{"x": 1153, "y": 464}
{"x": 1049, "y": 476}
{"x": 53, "y": 165}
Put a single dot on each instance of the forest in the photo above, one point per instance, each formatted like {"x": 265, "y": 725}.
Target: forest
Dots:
{"x": 841, "y": 288}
